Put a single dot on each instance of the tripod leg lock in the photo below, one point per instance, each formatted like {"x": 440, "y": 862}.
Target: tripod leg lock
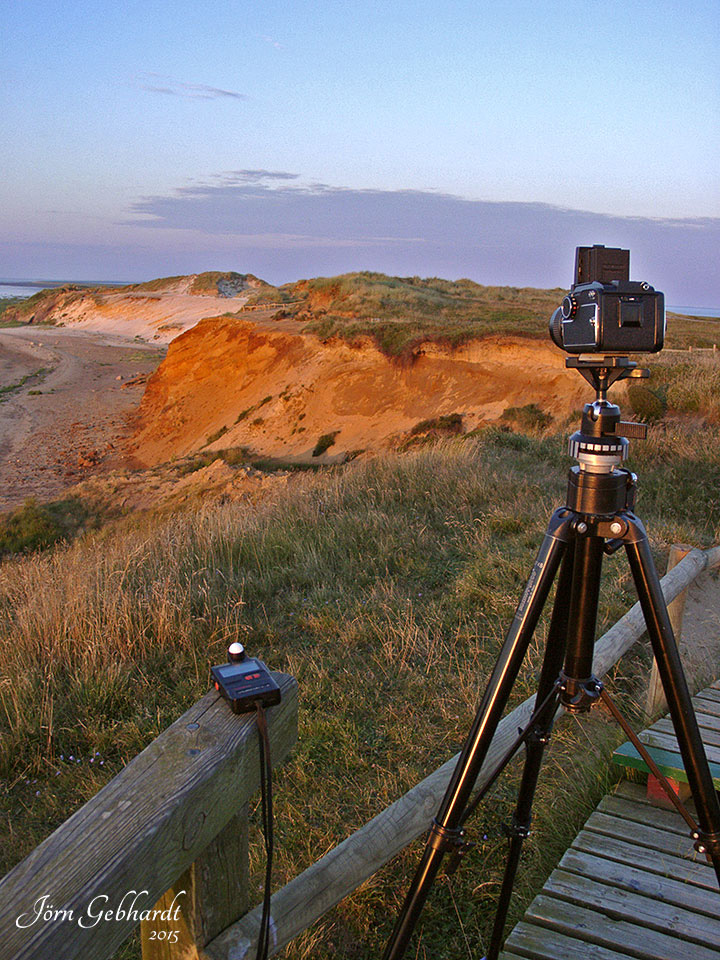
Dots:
{"x": 579, "y": 696}
{"x": 449, "y": 840}
{"x": 516, "y": 829}
{"x": 709, "y": 844}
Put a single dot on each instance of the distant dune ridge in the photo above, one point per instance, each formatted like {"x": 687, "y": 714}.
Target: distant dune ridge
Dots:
{"x": 324, "y": 367}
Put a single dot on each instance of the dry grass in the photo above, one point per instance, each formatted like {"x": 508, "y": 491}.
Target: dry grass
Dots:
{"x": 385, "y": 588}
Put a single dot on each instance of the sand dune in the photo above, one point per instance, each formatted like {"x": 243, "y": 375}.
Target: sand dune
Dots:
{"x": 229, "y": 382}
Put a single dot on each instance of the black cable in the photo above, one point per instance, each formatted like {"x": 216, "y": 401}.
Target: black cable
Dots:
{"x": 263, "y": 943}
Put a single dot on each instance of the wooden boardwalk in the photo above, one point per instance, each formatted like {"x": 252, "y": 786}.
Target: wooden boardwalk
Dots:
{"x": 631, "y": 885}
{"x": 662, "y": 745}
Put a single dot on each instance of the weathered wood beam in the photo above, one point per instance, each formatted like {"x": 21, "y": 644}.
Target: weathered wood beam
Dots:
{"x": 139, "y": 833}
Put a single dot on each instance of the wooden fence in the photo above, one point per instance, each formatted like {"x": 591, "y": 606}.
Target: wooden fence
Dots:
{"x": 169, "y": 833}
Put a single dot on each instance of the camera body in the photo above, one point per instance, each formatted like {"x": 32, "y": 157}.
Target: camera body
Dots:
{"x": 605, "y": 311}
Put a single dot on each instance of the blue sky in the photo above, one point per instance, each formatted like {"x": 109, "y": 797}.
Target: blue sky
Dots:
{"x": 294, "y": 139}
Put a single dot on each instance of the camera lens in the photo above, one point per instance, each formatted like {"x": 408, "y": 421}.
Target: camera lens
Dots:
{"x": 556, "y": 327}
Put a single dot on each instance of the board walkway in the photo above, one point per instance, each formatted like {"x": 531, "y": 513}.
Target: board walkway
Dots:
{"x": 631, "y": 885}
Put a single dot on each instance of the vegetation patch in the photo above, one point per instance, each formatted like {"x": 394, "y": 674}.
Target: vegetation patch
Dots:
{"x": 35, "y": 526}
{"x": 37, "y": 376}
{"x": 326, "y": 441}
{"x": 447, "y": 425}
{"x": 528, "y": 418}
{"x": 648, "y": 405}
{"x": 400, "y": 313}
{"x": 216, "y": 436}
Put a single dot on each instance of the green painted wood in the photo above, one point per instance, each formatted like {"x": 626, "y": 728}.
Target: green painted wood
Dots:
{"x": 669, "y": 762}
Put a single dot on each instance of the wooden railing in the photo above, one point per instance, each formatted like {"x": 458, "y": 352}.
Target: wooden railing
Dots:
{"x": 172, "y": 827}
{"x": 176, "y": 812}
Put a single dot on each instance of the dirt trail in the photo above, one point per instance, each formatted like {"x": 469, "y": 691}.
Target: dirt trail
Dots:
{"x": 64, "y": 406}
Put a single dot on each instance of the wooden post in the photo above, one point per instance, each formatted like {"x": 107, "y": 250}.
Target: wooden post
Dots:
{"x": 210, "y": 895}
{"x": 656, "y": 703}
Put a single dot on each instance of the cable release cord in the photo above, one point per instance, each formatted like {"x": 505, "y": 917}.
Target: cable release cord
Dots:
{"x": 263, "y": 944}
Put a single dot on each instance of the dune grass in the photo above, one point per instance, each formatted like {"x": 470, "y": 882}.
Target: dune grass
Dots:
{"x": 385, "y": 587}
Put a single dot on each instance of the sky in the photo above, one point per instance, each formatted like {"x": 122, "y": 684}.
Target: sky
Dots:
{"x": 476, "y": 139}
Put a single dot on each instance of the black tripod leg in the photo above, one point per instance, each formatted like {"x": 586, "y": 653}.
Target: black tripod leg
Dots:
{"x": 676, "y": 690}
{"x": 552, "y": 665}
{"x": 444, "y": 833}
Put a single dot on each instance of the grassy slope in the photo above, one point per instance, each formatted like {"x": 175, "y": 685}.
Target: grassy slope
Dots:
{"x": 386, "y": 588}
{"x": 400, "y": 312}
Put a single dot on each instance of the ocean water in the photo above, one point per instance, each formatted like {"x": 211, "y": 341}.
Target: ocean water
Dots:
{"x": 26, "y": 288}
{"x": 695, "y": 311}
{"x": 15, "y": 290}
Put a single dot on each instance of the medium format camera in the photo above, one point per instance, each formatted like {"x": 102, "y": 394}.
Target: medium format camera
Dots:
{"x": 605, "y": 311}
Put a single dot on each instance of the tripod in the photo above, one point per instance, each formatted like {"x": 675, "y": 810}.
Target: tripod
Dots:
{"x": 597, "y": 519}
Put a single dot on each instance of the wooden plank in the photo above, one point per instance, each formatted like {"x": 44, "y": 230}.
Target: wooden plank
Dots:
{"x": 634, "y": 907}
{"x": 585, "y": 924}
{"x": 650, "y": 816}
{"x": 709, "y": 693}
{"x": 627, "y": 853}
{"x": 215, "y": 892}
{"x": 674, "y": 843}
{"x": 142, "y": 830}
{"x": 530, "y": 940}
{"x": 664, "y": 741}
{"x": 710, "y": 707}
{"x": 709, "y": 730}
{"x": 656, "y": 702}
{"x": 663, "y": 889}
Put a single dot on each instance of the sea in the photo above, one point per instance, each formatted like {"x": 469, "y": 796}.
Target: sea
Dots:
{"x": 26, "y": 288}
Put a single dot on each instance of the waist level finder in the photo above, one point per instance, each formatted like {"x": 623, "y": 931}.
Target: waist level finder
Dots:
{"x": 605, "y": 311}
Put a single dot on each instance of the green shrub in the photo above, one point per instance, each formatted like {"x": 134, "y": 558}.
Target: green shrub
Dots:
{"x": 528, "y": 418}
{"x": 216, "y": 436}
{"x": 649, "y": 405}
{"x": 325, "y": 441}
{"x": 30, "y": 527}
{"x": 449, "y": 424}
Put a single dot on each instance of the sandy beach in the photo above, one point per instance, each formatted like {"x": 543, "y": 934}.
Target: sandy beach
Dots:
{"x": 67, "y": 396}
